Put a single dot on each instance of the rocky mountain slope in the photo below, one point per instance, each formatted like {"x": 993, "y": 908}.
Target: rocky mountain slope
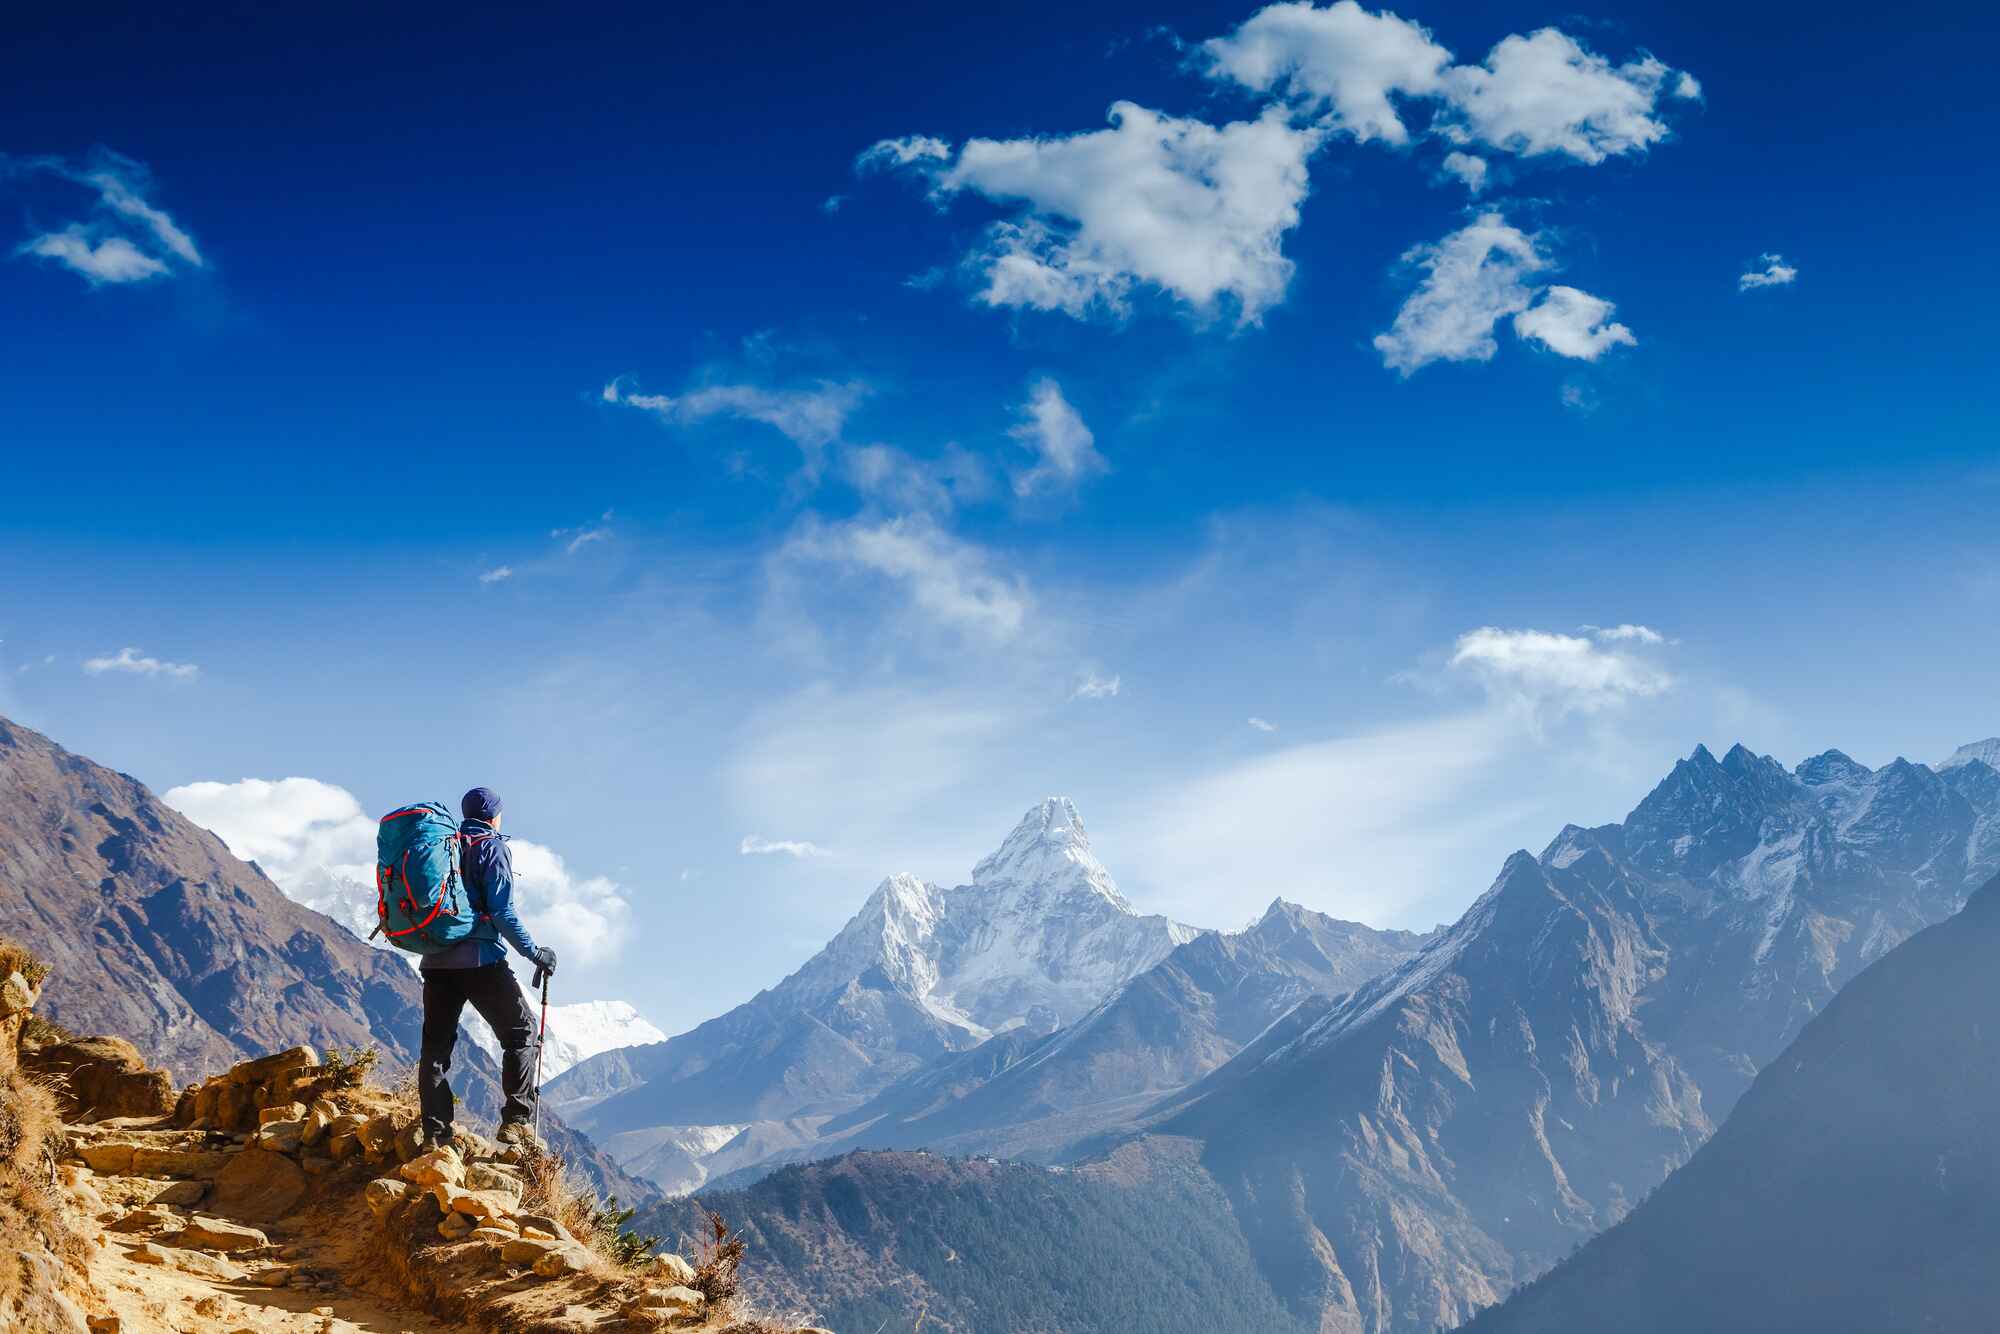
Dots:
{"x": 287, "y": 1195}
{"x": 1036, "y": 1096}
{"x": 899, "y": 1243}
{"x": 158, "y": 935}
{"x": 1404, "y": 1156}
{"x": 1038, "y": 937}
{"x": 1856, "y": 1186}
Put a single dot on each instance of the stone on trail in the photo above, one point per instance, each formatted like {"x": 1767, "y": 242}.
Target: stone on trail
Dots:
{"x": 156, "y": 1160}
{"x": 527, "y": 1250}
{"x": 188, "y": 1262}
{"x": 283, "y": 1136}
{"x": 672, "y": 1268}
{"x": 385, "y": 1193}
{"x": 455, "y": 1225}
{"x": 276, "y": 1276}
{"x": 291, "y": 1111}
{"x": 112, "y": 1157}
{"x": 487, "y": 1232}
{"x": 258, "y": 1185}
{"x": 564, "y": 1260}
{"x": 181, "y": 1193}
{"x": 484, "y": 1203}
{"x": 219, "y": 1234}
{"x": 277, "y": 1063}
{"x": 441, "y": 1165}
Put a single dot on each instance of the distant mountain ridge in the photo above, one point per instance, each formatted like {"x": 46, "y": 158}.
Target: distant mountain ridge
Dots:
{"x": 1855, "y": 1187}
{"x": 1036, "y": 938}
{"x": 1018, "y": 1013}
{"x": 1402, "y": 1157}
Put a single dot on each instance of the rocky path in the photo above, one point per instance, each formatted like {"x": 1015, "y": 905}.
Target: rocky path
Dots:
{"x": 248, "y": 1211}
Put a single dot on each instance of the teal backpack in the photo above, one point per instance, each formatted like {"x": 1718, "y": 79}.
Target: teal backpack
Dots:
{"x": 420, "y": 901}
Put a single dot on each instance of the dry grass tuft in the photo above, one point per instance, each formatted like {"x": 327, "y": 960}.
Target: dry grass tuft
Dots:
{"x": 716, "y": 1260}
{"x": 18, "y": 958}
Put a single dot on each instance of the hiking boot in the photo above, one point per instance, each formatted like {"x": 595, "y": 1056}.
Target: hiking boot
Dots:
{"x": 519, "y": 1135}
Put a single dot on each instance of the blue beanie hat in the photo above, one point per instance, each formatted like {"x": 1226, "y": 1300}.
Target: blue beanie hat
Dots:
{"x": 482, "y": 803}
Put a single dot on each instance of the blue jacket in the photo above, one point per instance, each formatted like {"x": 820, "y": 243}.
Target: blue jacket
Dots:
{"x": 487, "y": 868}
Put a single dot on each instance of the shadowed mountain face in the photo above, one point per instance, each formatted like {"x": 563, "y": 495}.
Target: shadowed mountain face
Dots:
{"x": 157, "y": 934}
{"x": 897, "y": 1243}
{"x": 1404, "y": 1156}
{"x": 1856, "y": 1186}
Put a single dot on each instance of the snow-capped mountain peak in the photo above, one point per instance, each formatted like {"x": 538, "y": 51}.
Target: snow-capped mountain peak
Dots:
{"x": 1986, "y": 752}
{"x": 1048, "y": 847}
{"x": 577, "y": 1033}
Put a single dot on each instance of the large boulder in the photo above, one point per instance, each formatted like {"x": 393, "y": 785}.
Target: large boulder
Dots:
{"x": 98, "y": 1078}
{"x": 259, "y": 1185}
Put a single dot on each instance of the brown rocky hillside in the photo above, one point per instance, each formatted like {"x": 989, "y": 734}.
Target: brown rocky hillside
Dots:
{"x": 158, "y": 935}
{"x": 287, "y": 1194}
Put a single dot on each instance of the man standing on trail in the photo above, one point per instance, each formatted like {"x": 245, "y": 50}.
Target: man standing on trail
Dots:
{"x": 475, "y": 971}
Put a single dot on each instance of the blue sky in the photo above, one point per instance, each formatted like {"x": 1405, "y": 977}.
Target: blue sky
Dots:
{"x": 852, "y": 402}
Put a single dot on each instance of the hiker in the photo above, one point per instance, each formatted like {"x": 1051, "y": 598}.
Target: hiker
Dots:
{"x": 474, "y": 970}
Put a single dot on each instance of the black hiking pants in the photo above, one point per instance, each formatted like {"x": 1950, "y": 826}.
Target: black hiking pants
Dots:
{"x": 495, "y": 994}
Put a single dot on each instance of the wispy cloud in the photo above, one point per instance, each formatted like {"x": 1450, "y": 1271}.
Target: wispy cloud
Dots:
{"x": 576, "y": 539}
{"x": 1550, "y": 673}
{"x": 496, "y": 574}
{"x": 946, "y": 580}
{"x": 1775, "y": 273}
{"x": 132, "y": 662}
{"x": 812, "y": 417}
{"x": 129, "y": 239}
{"x": 1468, "y": 170}
{"x": 755, "y": 846}
{"x": 1094, "y": 686}
{"x": 1065, "y": 450}
{"x": 1261, "y": 725}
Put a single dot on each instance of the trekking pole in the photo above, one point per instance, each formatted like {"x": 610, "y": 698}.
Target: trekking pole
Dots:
{"x": 541, "y": 1036}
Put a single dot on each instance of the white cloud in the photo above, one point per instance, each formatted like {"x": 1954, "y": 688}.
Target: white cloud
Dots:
{"x": 1341, "y": 58}
{"x": 1546, "y": 93}
{"x": 1473, "y": 279}
{"x": 949, "y": 582}
{"x": 906, "y": 151}
{"x": 138, "y": 664}
{"x": 832, "y": 203}
{"x": 1538, "y": 94}
{"x": 810, "y": 418}
{"x": 1469, "y": 170}
{"x": 496, "y": 574}
{"x": 1642, "y": 634}
{"x": 317, "y": 844}
{"x": 1261, "y": 725}
{"x": 1775, "y": 273}
{"x": 130, "y": 240}
{"x": 1196, "y": 210}
{"x": 1478, "y": 276}
{"x": 754, "y": 846}
{"x": 1065, "y": 451}
{"x": 905, "y": 482}
{"x": 1574, "y": 324}
{"x": 1548, "y": 673}
{"x": 111, "y": 260}
{"x": 1094, "y": 686}
{"x": 121, "y": 187}
{"x": 576, "y": 539}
